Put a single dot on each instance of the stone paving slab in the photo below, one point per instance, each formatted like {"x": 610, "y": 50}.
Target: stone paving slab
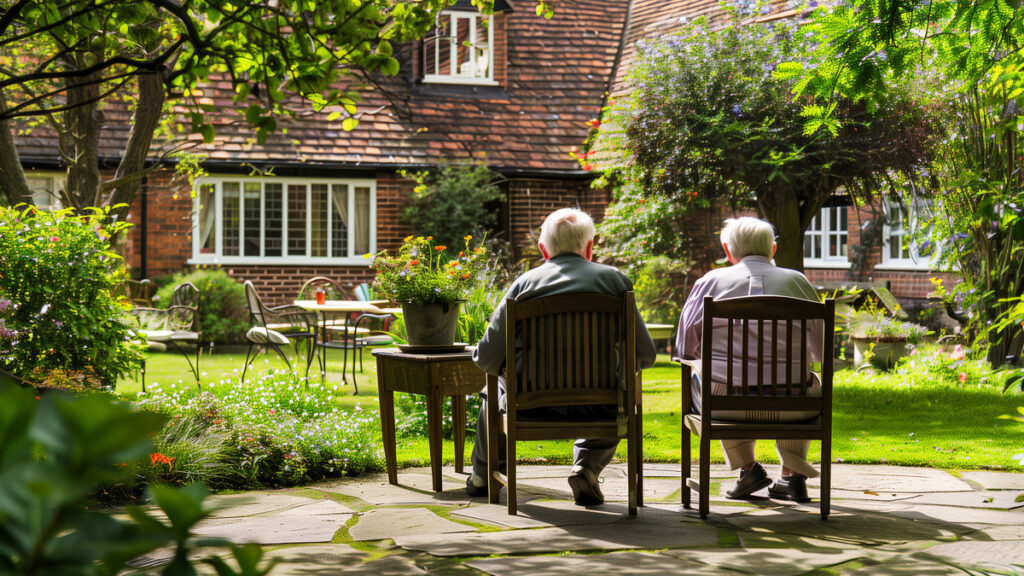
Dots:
{"x": 960, "y": 515}
{"x": 999, "y": 499}
{"x": 992, "y": 480}
{"x": 541, "y": 513}
{"x": 998, "y": 555}
{"x": 999, "y": 533}
{"x": 256, "y": 503}
{"x": 777, "y": 562}
{"x": 315, "y": 521}
{"x": 328, "y": 560}
{"x": 904, "y": 566}
{"x": 865, "y": 529}
{"x": 618, "y": 563}
{"x": 412, "y": 488}
{"x": 390, "y": 523}
{"x": 894, "y": 479}
{"x": 653, "y": 528}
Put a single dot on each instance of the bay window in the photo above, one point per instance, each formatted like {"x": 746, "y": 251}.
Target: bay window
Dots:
{"x": 261, "y": 220}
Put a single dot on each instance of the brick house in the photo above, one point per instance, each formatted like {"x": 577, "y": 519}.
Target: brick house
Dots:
{"x": 515, "y": 92}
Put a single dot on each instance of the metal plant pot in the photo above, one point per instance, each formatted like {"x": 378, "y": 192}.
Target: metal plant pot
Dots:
{"x": 430, "y": 324}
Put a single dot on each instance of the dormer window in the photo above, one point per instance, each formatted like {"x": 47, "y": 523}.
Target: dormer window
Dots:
{"x": 460, "y": 49}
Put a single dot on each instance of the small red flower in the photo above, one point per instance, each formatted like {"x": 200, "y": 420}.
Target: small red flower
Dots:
{"x": 588, "y": 167}
{"x": 962, "y": 377}
{"x": 413, "y": 263}
{"x": 158, "y": 458}
{"x": 593, "y": 123}
{"x": 440, "y": 248}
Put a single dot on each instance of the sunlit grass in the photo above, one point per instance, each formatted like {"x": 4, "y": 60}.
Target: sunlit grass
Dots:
{"x": 877, "y": 418}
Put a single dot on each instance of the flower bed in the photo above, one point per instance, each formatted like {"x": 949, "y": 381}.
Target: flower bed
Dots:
{"x": 270, "y": 430}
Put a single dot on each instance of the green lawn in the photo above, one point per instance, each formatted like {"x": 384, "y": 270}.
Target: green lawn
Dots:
{"x": 875, "y": 420}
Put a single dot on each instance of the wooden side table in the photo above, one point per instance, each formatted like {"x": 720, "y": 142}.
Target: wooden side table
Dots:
{"x": 436, "y": 376}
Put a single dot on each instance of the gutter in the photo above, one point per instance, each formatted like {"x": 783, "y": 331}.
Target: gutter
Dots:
{"x": 623, "y": 39}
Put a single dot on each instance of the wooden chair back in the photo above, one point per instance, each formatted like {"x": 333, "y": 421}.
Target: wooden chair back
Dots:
{"x": 771, "y": 333}
{"x": 568, "y": 350}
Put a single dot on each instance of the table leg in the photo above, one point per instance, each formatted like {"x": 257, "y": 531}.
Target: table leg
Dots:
{"x": 459, "y": 426}
{"x": 434, "y": 433}
{"x": 387, "y": 426}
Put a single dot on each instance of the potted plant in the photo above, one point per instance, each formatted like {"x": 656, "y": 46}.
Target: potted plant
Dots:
{"x": 880, "y": 338}
{"x": 429, "y": 281}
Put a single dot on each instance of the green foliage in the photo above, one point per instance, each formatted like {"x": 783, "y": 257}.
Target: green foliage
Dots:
{"x": 55, "y": 451}
{"x": 223, "y": 314}
{"x": 274, "y": 429}
{"x": 453, "y": 201}
{"x": 66, "y": 320}
{"x": 967, "y": 54}
{"x": 656, "y": 296}
{"x": 874, "y": 322}
{"x": 426, "y": 272}
{"x": 411, "y": 415}
{"x": 710, "y": 123}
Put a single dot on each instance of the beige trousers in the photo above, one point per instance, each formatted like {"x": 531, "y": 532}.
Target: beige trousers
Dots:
{"x": 739, "y": 453}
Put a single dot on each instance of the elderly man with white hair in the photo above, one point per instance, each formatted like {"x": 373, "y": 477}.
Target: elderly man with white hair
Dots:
{"x": 749, "y": 245}
{"x": 567, "y": 244}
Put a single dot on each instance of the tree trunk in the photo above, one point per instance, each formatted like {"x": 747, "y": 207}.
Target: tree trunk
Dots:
{"x": 12, "y": 177}
{"x": 80, "y": 141}
{"x": 147, "y": 118}
{"x": 782, "y": 209}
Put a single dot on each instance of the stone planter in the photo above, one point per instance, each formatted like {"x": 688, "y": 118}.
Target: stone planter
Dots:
{"x": 885, "y": 354}
{"x": 430, "y": 324}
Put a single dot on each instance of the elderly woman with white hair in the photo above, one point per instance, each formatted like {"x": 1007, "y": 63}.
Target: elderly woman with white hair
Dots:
{"x": 567, "y": 244}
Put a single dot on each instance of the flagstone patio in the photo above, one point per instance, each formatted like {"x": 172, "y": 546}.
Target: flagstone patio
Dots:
{"x": 885, "y": 520}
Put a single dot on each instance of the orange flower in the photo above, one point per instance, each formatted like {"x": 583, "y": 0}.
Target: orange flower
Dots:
{"x": 440, "y": 248}
{"x": 464, "y": 276}
{"x": 158, "y": 458}
{"x": 413, "y": 262}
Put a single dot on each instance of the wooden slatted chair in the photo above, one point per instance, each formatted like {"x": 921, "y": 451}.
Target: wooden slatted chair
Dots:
{"x": 572, "y": 350}
{"x": 786, "y": 390}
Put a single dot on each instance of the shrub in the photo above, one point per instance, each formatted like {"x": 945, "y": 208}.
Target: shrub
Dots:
{"x": 453, "y": 201}
{"x": 656, "y": 295}
{"x": 223, "y": 315}
{"x": 67, "y": 313}
{"x": 411, "y": 415}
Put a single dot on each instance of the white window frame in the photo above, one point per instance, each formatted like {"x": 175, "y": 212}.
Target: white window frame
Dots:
{"x": 905, "y": 230}
{"x": 56, "y": 182}
{"x": 475, "y": 20}
{"x": 217, "y": 256}
{"x": 826, "y": 236}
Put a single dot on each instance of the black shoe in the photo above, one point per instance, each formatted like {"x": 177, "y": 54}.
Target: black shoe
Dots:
{"x": 749, "y": 482}
{"x": 792, "y": 488}
{"x": 584, "y": 492}
{"x": 473, "y": 490}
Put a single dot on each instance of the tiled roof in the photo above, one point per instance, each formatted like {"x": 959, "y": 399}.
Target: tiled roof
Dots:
{"x": 558, "y": 71}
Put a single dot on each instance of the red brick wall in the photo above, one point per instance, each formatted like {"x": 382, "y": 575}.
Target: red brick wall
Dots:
{"x": 531, "y": 200}
{"x": 167, "y": 223}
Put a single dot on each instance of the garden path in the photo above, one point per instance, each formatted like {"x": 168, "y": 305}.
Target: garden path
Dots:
{"x": 885, "y": 520}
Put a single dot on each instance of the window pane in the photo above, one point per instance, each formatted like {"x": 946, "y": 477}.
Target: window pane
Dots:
{"x": 296, "y": 220}
{"x": 42, "y": 192}
{"x": 207, "y": 219}
{"x": 252, "y": 210}
{"x": 318, "y": 220}
{"x": 339, "y": 221}
{"x": 437, "y": 48}
{"x": 837, "y": 233}
{"x": 812, "y": 239}
{"x": 273, "y": 222}
{"x": 232, "y": 219}
{"x": 361, "y": 221}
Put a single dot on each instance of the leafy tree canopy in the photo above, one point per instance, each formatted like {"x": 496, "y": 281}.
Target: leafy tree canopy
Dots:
{"x": 710, "y": 119}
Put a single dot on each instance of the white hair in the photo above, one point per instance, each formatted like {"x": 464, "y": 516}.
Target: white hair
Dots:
{"x": 566, "y": 230}
{"x": 748, "y": 236}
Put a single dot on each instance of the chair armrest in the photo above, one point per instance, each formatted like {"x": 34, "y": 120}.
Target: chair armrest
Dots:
{"x": 689, "y": 368}
{"x": 369, "y": 316}
{"x": 295, "y": 315}
{"x": 181, "y": 317}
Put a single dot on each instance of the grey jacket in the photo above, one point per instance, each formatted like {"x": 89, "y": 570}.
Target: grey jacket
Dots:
{"x": 560, "y": 275}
